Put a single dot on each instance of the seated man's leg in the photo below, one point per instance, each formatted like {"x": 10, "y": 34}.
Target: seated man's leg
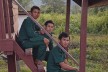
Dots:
{"x": 47, "y": 55}
{"x": 41, "y": 52}
{"x": 28, "y": 44}
{"x": 34, "y": 52}
{"x": 41, "y": 56}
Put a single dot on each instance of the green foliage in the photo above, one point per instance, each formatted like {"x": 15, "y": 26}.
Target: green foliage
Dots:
{"x": 75, "y": 9}
{"x": 24, "y": 69}
{"x": 26, "y": 4}
{"x": 97, "y": 24}
{"x": 96, "y": 52}
{"x": 53, "y": 6}
{"x": 60, "y": 21}
{"x": 75, "y": 23}
{"x": 3, "y": 66}
{"x": 92, "y": 66}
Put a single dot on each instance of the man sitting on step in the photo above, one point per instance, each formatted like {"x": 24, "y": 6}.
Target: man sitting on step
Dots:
{"x": 29, "y": 34}
{"x": 57, "y": 61}
{"x": 41, "y": 53}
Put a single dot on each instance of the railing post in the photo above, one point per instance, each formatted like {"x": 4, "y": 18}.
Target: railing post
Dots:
{"x": 83, "y": 35}
{"x": 67, "y": 16}
{"x": 11, "y": 58}
{"x": 12, "y": 63}
{"x": 7, "y": 17}
{"x": 2, "y": 22}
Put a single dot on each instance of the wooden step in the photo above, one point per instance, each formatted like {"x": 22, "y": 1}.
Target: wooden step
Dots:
{"x": 28, "y": 59}
{"x": 11, "y": 48}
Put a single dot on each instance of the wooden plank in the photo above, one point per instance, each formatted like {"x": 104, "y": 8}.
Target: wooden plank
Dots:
{"x": 11, "y": 63}
{"x": 83, "y": 35}
{"x": 2, "y": 22}
{"x": 67, "y": 16}
{"x": 11, "y": 15}
{"x": 6, "y": 45}
{"x": 28, "y": 59}
{"x": 67, "y": 19}
{"x": 93, "y": 3}
{"x": 7, "y": 18}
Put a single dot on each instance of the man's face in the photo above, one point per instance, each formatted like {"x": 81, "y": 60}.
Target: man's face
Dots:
{"x": 65, "y": 42}
{"x": 49, "y": 28}
{"x": 35, "y": 13}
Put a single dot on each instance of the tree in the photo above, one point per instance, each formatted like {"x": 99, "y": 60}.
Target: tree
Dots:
{"x": 53, "y": 6}
{"x": 75, "y": 9}
{"x": 26, "y": 4}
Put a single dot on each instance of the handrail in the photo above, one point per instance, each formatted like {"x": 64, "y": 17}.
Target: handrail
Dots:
{"x": 46, "y": 32}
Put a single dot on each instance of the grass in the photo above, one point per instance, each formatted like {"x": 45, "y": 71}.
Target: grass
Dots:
{"x": 97, "y": 52}
{"x": 4, "y": 66}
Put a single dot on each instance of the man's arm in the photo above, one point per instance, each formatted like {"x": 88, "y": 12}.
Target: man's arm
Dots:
{"x": 66, "y": 66}
{"x": 35, "y": 36}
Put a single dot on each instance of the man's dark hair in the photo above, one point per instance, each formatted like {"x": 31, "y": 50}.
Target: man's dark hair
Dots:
{"x": 63, "y": 34}
{"x": 48, "y": 21}
{"x": 34, "y": 7}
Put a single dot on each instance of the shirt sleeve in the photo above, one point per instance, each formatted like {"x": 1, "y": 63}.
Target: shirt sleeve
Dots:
{"x": 32, "y": 34}
{"x": 58, "y": 57}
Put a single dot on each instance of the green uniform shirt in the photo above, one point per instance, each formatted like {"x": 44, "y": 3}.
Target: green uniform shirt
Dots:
{"x": 55, "y": 57}
{"x": 29, "y": 31}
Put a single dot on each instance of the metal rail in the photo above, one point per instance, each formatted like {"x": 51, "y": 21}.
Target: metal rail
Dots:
{"x": 46, "y": 33}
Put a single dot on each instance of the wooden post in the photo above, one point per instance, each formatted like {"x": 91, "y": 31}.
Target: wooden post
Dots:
{"x": 67, "y": 16}
{"x": 2, "y": 22}
{"x": 11, "y": 63}
{"x": 7, "y": 17}
{"x": 11, "y": 58}
{"x": 83, "y": 35}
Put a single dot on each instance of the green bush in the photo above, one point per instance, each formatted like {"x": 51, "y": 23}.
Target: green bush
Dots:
{"x": 97, "y": 24}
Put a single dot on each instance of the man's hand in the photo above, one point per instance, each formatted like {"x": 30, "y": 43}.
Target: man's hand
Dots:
{"x": 67, "y": 67}
{"x": 46, "y": 41}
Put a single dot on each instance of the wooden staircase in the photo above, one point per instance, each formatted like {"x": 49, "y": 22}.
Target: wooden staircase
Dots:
{"x": 8, "y": 45}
